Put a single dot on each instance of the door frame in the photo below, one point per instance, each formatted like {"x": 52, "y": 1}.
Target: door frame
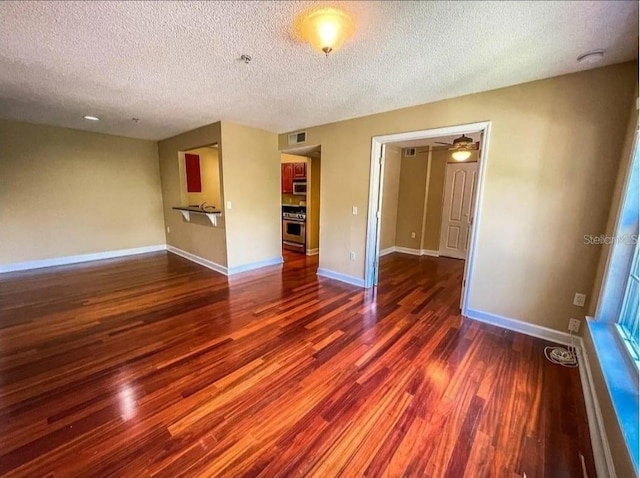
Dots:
{"x": 375, "y": 190}
{"x": 302, "y": 151}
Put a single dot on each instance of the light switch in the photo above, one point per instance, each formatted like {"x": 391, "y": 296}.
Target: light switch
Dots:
{"x": 228, "y": 204}
{"x": 354, "y": 210}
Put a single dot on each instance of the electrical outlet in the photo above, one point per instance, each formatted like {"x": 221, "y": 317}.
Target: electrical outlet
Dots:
{"x": 574, "y": 325}
{"x": 168, "y": 230}
{"x": 352, "y": 256}
{"x": 579, "y": 299}
{"x": 413, "y": 235}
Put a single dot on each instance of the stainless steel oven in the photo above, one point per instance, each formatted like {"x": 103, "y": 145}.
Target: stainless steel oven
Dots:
{"x": 294, "y": 228}
{"x": 293, "y": 234}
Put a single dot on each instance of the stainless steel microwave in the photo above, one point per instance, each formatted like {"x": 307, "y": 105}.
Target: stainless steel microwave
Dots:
{"x": 300, "y": 188}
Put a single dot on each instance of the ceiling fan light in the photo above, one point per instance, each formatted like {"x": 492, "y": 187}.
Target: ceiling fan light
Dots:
{"x": 326, "y": 29}
{"x": 461, "y": 155}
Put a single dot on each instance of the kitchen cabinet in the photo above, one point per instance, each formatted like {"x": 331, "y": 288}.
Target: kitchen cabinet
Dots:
{"x": 299, "y": 170}
{"x": 291, "y": 172}
{"x": 287, "y": 178}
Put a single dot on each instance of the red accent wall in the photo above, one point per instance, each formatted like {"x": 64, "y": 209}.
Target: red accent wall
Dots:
{"x": 192, "y": 165}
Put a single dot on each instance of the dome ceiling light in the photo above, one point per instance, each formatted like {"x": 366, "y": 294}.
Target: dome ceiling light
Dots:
{"x": 326, "y": 29}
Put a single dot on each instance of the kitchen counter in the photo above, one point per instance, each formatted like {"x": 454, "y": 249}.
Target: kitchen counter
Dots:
{"x": 186, "y": 212}
{"x": 197, "y": 209}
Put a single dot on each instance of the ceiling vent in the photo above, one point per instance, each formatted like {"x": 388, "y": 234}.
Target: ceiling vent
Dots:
{"x": 298, "y": 138}
{"x": 409, "y": 152}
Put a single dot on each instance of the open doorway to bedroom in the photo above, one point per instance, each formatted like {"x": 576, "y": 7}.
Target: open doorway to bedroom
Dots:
{"x": 424, "y": 196}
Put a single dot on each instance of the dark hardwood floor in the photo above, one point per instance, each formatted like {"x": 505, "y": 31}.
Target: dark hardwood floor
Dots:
{"x": 153, "y": 365}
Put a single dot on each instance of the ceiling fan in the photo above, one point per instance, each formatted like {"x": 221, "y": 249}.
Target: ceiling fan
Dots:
{"x": 461, "y": 147}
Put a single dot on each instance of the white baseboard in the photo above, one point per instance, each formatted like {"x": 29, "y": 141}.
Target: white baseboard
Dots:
{"x": 228, "y": 271}
{"x": 430, "y": 252}
{"x": 407, "y": 250}
{"x": 313, "y": 252}
{"x": 599, "y": 441}
{"x": 255, "y": 265}
{"x": 414, "y": 252}
{"x": 61, "y": 261}
{"x": 388, "y": 250}
{"x": 526, "y": 328}
{"x": 341, "y": 277}
{"x": 198, "y": 260}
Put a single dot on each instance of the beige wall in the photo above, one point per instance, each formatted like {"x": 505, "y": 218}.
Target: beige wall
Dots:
{"x": 198, "y": 236}
{"x": 413, "y": 179}
{"x": 391, "y": 184}
{"x": 209, "y": 176}
{"x": 66, "y": 192}
{"x": 313, "y": 203}
{"x": 435, "y": 192}
{"x": 543, "y": 189}
{"x": 251, "y": 182}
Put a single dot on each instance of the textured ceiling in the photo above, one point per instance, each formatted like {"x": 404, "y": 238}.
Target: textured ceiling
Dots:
{"x": 175, "y": 65}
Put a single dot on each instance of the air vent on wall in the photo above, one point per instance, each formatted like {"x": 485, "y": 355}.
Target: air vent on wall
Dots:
{"x": 297, "y": 138}
{"x": 409, "y": 152}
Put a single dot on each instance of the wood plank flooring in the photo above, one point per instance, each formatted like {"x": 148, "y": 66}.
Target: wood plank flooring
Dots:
{"x": 155, "y": 366}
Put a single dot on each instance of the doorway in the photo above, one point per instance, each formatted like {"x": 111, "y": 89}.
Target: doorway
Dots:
{"x": 300, "y": 190}
{"x": 445, "y": 211}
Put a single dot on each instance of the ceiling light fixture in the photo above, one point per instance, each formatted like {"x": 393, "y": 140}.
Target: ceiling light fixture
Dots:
{"x": 461, "y": 147}
{"x": 461, "y": 155}
{"x": 326, "y": 29}
{"x": 91, "y": 118}
{"x": 593, "y": 56}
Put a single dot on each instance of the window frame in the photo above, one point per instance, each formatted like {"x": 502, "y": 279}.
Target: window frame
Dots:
{"x": 619, "y": 369}
{"x": 627, "y": 335}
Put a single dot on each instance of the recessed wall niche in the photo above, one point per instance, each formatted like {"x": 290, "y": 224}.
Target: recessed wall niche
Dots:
{"x": 200, "y": 177}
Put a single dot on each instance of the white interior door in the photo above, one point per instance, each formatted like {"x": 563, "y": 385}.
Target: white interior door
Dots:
{"x": 457, "y": 210}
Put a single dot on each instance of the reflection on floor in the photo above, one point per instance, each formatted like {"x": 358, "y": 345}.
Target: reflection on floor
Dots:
{"x": 155, "y": 365}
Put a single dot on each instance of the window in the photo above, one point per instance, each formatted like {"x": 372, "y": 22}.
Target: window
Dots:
{"x": 614, "y": 332}
{"x": 628, "y": 320}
